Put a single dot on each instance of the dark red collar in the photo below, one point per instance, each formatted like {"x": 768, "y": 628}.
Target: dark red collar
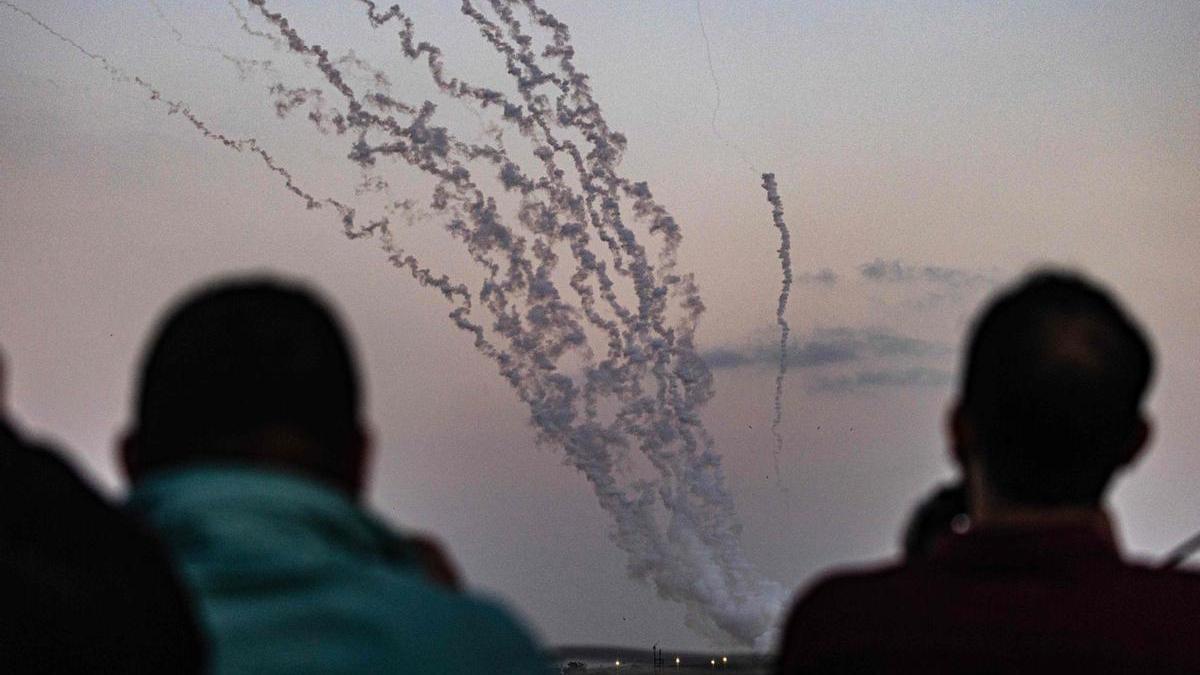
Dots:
{"x": 1026, "y": 547}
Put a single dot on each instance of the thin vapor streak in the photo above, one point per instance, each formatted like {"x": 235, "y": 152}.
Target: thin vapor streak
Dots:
{"x": 244, "y": 66}
{"x": 712, "y": 72}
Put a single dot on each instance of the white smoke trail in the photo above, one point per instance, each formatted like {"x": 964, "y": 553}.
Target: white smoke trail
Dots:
{"x": 785, "y": 261}
{"x": 641, "y": 387}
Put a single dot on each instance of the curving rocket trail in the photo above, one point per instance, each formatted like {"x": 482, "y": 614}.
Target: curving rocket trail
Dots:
{"x": 785, "y": 261}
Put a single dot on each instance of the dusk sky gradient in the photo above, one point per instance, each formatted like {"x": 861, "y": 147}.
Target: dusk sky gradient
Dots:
{"x": 926, "y": 154}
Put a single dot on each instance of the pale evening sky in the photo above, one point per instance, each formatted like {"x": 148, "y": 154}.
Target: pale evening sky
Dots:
{"x": 925, "y": 152}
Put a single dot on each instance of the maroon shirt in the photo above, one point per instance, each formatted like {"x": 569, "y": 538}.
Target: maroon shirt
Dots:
{"x": 1045, "y": 601}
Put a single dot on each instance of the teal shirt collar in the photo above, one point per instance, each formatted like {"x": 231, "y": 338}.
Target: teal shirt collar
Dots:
{"x": 223, "y": 501}
{"x": 290, "y": 576}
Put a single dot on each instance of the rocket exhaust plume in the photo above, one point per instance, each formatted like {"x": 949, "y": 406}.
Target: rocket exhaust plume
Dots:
{"x": 785, "y": 261}
{"x": 581, "y": 306}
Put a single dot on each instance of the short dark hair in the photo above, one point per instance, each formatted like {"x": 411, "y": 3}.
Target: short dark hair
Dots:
{"x": 1055, "y": 376}
{"x": 240, "y": 357}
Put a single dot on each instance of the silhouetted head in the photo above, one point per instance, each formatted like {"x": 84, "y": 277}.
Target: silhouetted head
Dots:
{"x": 1051, "y": 401}
{"x": 252, "y": 371}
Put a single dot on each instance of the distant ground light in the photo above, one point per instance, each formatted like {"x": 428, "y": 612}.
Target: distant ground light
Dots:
{"x": 610, "y": 659}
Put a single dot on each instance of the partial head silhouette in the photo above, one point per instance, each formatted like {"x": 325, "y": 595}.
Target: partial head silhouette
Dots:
{"x": 253, "y": 371}
{"x": 939, "y": 514}
{"x": 3, "y": 388}
{"x": 1052, "y": 392}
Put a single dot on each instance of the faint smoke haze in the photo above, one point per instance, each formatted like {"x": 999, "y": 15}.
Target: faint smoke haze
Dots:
{"x": 895, "y": 271}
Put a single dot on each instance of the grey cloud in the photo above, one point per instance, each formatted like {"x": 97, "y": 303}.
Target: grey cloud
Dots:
{"x": 895, "y": 271}
{"x": 887, "y": 344}
{"x": 822, "y": 277}
{"x": 885, "y": 270}
{"x": 879, "y": 343}
{"x": 830, "y": 347}
{"x": 722, "y": 357}
{"x": 822, "y": 352}
{"x": 874, "y": 379}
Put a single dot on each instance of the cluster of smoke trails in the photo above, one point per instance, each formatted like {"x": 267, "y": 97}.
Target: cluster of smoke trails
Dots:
{"x": 697, "y": 559}
{"x": 785, "y": 260}
{"x": 643, "y": 388}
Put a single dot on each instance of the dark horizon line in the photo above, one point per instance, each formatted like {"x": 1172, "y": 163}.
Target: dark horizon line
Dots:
{"x": 604, "y": 652}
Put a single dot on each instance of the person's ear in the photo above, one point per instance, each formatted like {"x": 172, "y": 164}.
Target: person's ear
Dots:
{"x": 1137, "y": 441}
